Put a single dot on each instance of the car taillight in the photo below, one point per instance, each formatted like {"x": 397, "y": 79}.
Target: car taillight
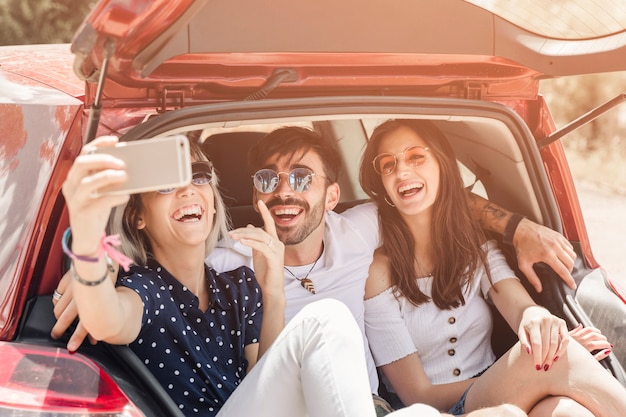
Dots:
{"x": 43, "y": 381}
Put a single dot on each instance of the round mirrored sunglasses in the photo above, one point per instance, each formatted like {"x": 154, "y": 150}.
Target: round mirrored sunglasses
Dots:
{"x": 201, "y": 174}
{"x": 386, "y": 163}
{"x": 299, "y": 179}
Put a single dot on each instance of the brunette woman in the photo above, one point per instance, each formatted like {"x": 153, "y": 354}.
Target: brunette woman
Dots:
{"x": 427, "y": 314}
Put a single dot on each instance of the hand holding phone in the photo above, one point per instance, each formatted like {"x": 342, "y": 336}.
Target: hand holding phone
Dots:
{"x": 151, "y": 164}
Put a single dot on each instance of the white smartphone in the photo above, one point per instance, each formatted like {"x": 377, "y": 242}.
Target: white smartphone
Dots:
{"x": 152, "y": 164}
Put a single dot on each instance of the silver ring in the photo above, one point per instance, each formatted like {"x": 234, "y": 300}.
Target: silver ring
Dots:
{"x": 57, "y": 295}
{"x": 270, "y": 242}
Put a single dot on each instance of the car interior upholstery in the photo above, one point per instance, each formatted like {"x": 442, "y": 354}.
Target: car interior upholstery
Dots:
{"x": 229, "y": 153}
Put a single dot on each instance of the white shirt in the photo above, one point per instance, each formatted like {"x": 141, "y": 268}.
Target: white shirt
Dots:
{"x": 453, "y": 345}
{"x": 350, "y": 239}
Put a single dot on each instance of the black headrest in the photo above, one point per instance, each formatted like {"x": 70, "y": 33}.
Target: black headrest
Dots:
{"x": 229, "y": 153}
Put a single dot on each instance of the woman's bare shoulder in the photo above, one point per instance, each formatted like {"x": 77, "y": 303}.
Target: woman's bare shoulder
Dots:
{"x": 378, "y": 278}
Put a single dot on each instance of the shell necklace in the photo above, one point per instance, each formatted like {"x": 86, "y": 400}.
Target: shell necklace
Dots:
{"x": 306, "y": 283}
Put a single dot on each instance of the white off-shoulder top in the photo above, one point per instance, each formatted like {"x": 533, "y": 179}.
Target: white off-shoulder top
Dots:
{"x": 453, "y": 345}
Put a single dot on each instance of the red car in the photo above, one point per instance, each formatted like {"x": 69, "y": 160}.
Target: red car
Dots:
{"x": 225, "y": 73}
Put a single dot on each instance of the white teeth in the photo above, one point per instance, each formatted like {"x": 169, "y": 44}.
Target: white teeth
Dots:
{"x": 287, "y": 212}
{"x": 409, "y": 187}
{"x": 194, "y": 210}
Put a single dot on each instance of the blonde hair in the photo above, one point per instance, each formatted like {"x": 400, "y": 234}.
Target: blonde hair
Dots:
{"x": 135, "y": 243}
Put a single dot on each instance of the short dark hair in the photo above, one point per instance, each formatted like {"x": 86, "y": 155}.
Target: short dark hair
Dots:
{"x": 291, "y": 140}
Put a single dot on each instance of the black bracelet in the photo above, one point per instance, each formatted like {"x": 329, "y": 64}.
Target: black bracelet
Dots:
{"x": 99, "y": 281}
{"x": 511, "y": 227}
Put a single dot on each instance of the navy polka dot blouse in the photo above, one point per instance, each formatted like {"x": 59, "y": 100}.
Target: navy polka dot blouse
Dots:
{"x": 197, "y": 356}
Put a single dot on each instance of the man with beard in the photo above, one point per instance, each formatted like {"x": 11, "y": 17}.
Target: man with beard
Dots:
{"x": 327, "y": 254}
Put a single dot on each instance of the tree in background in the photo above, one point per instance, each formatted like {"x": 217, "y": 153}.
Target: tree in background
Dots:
{"x": 583, "y": 94}
{"x": 41, "y": 21}
{"x": 596, "y": 151}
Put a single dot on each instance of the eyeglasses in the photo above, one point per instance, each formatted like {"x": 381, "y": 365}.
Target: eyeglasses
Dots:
{"x": 299, "y": 179}
{"x": 385, "y": 163}
{"x": 201, "y": 174}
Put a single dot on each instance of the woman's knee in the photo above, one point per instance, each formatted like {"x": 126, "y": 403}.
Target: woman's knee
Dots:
{"x": 502, "y": 410}
{"x": 559, "y": 407}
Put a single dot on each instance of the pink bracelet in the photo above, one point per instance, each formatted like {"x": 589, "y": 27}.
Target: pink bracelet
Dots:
{"x": 107, "y": 244}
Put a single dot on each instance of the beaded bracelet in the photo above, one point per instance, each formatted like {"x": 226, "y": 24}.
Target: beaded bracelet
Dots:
{"x": 511, "y": 227}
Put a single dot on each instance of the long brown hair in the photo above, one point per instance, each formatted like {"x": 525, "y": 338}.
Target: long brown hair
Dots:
{"x": 457, "y": 238}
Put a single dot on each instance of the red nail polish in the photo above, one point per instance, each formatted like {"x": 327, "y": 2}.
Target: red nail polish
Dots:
{"x": 538, "y": 367}
{"x": 608, "y": 351}
{"x": 528, "y": 349}
{"x": 556, "y": 358}
{"x": 546, "y": 367}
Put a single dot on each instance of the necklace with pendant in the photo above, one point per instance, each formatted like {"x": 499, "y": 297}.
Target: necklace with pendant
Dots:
{"x": 306, "y": 283}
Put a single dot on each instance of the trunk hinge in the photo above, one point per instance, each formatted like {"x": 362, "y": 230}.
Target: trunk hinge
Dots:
{"x": 171, "y": 95}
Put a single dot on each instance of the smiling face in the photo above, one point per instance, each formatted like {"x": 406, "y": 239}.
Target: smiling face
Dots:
{"x": 411, "y": 188}
{"x": 180, "y": 219}
{"x": 299, "y": 215}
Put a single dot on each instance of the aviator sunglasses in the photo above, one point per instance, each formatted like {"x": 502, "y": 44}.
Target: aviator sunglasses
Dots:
{"x": 201, "y": 174}
{"x": 385, "y": 163}
{"x": 299, "y": 179}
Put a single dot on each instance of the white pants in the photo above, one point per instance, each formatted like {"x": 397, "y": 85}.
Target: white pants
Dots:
{"x": 316, "y": 368}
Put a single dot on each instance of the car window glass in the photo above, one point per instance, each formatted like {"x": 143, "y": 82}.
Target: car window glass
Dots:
{"x": 562, "y": 19}
{"x": 471, "y": 181}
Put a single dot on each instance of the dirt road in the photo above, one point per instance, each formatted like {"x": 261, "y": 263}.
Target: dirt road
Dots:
{"x": 605, "y": 218}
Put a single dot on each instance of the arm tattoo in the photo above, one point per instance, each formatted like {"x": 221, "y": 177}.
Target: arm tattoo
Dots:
{"x": 491, "y": 213}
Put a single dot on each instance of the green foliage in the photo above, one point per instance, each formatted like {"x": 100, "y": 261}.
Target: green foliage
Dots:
{"x": 41, "y": 21}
